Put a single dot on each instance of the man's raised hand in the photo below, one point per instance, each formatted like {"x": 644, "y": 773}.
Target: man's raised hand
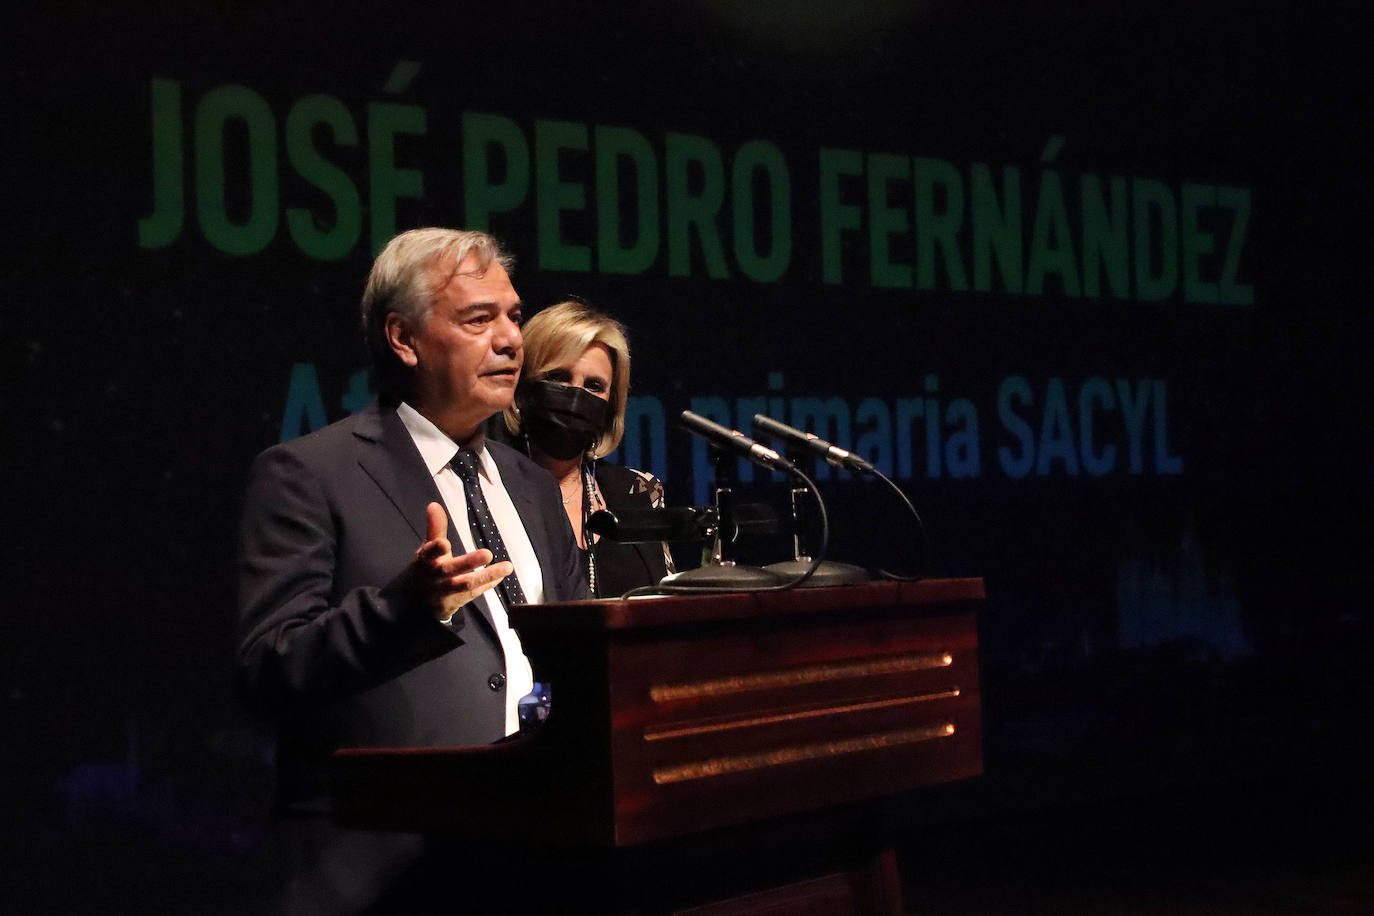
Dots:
{"x": 443, "y": 583}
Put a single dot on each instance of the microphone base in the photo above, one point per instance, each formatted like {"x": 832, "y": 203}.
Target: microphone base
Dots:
{"x": 721, "y": 575}
{"x": 828, "y": 574}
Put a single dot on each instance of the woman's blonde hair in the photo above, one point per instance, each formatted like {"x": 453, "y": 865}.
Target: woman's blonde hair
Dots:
{"x": 558, "y": 336}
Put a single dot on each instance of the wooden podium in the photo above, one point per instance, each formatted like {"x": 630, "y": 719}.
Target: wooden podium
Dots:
{"x": 716, "y": 727}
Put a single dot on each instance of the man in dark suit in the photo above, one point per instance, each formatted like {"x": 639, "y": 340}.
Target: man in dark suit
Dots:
{"x": 372, "y": 587}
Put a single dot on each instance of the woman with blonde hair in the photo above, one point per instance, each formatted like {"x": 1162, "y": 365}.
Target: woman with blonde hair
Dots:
{"x": 570, "y": 410}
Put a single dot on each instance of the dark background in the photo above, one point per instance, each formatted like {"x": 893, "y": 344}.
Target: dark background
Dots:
{"x": 1201, "y": 636}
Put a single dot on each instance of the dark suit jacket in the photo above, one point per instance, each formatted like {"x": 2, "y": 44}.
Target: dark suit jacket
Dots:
{"x": 329, "y": 644}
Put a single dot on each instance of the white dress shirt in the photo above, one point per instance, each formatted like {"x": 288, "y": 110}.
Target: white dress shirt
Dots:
{"x": 438, "y": 450}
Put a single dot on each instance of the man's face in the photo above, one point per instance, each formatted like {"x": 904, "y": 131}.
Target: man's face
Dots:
{"x": 467, "y": 355}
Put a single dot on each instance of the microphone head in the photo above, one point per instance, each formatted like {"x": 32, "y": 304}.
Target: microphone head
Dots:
{"x": 708, "y": 429}
{"x": 832, "y": 454}
{"x": 643, "y": 526}
{"x": 734, "y": 439}
{"x": 603, "y": 523}
{"x": 773, "y": 429}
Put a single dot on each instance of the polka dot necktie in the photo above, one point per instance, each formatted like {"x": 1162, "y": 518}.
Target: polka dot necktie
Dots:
{"x": 483, "y": 526}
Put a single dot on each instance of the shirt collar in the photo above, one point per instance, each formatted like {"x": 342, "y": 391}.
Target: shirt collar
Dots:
{"x": 437, "y": 449}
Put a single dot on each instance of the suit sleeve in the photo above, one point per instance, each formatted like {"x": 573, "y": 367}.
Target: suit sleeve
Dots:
{"x": 300, "y": 642}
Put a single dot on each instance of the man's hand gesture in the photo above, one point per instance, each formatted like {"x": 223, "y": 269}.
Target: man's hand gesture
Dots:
{"x": 444, "y": 583}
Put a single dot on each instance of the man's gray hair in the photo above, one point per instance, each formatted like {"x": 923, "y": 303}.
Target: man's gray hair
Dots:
{"x": 406, "y": 276}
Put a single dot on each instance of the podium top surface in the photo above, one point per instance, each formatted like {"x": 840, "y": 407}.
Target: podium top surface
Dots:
{"x": 674, "y": 610}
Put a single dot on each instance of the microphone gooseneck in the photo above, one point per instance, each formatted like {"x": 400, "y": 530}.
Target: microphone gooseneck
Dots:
{"x": 735, "y": 441}
{"x": 842, "y": 458}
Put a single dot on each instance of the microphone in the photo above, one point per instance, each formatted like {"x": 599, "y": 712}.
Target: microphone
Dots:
{"x": 735, "y": 440}
{"x": 832, "y": 454}
{"x": 643, "y": 526}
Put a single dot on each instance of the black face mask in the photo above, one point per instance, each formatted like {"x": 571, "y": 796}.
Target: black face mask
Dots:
{"x": 562, "y": 421}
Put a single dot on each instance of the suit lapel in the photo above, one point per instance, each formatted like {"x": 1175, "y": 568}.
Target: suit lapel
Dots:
{"x": 389, "y": 456}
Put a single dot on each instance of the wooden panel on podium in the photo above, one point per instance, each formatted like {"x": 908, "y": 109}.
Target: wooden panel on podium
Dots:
{"x": 684, "y": 713}
{"x": 805, "y": 699}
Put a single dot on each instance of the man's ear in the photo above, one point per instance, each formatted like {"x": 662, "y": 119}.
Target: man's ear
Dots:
{"x": 401, "y": 340}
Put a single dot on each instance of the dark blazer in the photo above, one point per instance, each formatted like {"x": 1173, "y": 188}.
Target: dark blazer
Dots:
{"x": 330, "y": 646}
